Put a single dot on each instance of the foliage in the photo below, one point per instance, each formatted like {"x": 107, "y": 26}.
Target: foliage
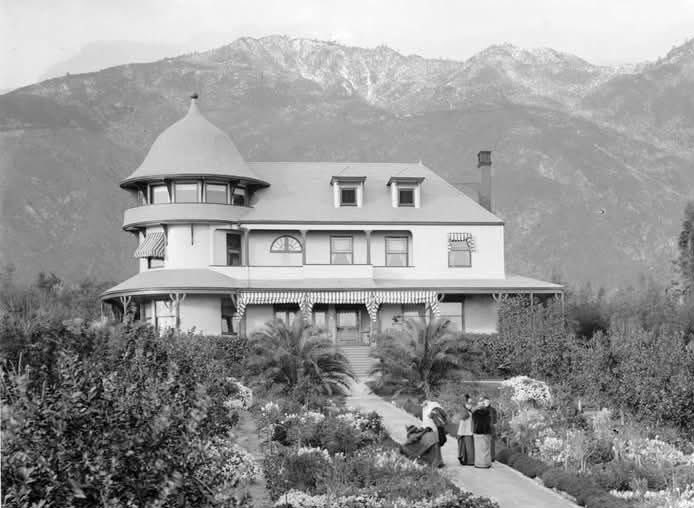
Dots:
{"x": 297, "y": 360}
{"x": 419, "y": 356}
{"x": 140, "y": 420}
{"x": 685, "y": 245}
{"x": 528, "y": 391}
{"x": 586, "y": 492}
{"x": 298, "y": 499}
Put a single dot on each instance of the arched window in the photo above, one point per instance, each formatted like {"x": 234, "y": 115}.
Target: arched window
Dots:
{"x": 285, "y": 243}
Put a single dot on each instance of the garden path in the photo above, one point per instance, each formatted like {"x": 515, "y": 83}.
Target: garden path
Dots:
{"x": 247, "y": 436}
{"x": 503, "y": 484}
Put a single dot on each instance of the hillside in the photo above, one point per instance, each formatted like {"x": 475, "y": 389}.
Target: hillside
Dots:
{"x": 565, "y": 145}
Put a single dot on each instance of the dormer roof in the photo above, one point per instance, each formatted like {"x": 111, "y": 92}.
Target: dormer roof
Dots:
{"x": 193, "y": 147}
{"x": 409, "y": 180}
{"x": 347, "y": 179}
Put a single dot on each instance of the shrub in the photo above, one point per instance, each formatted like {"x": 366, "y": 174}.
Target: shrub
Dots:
{"x": 127, "y": 424}
{"x": 586, "y": 492}
{"x": 529, "y": 466}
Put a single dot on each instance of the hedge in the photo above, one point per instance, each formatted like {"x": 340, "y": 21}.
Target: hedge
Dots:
{"x": 587, "y": 492}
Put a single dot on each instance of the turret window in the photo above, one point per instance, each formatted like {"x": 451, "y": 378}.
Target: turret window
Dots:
{"x": 187, "y": 193}
{"x": 159, "y": 194}
{"x": 216, "y": 193}
{"x": 238, "y": 197}
{"x": 233, "y": 249}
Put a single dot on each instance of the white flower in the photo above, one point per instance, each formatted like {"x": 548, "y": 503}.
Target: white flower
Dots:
{"x": 527, "y": 390}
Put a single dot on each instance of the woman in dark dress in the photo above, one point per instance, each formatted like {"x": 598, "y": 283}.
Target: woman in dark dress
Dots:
{"x": 482, "y": 436}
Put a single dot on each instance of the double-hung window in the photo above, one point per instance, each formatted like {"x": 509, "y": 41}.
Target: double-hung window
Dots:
{"x": 396, "y": 251}
{"x": 460, "y": 247}
{"x": 233, "y": 249}
{"x": 286, "y": 313}
{"x": 341, "y": 250}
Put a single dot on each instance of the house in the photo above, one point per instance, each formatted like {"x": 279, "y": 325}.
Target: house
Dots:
{"x": 226, "y": 245}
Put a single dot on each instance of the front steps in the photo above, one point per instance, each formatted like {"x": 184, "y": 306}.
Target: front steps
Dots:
{"x": 359, "y": 359}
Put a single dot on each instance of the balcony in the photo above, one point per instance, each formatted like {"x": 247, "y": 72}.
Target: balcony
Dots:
{"x": 182, "y": 212}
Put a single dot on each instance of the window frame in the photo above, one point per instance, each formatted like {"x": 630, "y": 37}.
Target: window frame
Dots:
{"x": 149, "y": 263}
{"x": 175, "y": 184}
{"x": 407, "y": 249}
{"x": 229, "y": 251}
{"x": 333, "y": 251}
{"x": 150, "y": 191}
{"x": 285, "y": 249}
{"x": 238, "y": 191}
{"x": 286, "y": 309}
{"x": 468, "y": 249}
{"x": 220, "y": 184}
{"x": 406, "y": 189}
{"x": 352, "y": 188}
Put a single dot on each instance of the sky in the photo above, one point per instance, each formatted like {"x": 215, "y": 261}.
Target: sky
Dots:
{"x": 37, "y": 34}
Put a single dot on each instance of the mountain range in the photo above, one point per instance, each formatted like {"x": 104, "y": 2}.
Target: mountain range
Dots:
{"x": 592, "y": 164}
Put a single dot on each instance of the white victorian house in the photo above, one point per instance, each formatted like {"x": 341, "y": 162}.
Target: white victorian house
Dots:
{"x": 226, "y": 245}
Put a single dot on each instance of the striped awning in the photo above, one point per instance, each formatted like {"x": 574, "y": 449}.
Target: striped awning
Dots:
{"x": 371, "y": 299}
{"x": 153, "y": 246}
{"x": 460, "y": 241}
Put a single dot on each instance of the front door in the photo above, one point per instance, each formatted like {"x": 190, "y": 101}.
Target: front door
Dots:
{"x": 347, "y": 326}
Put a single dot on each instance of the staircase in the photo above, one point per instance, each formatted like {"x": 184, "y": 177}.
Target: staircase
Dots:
{"x": 360, "y": 360}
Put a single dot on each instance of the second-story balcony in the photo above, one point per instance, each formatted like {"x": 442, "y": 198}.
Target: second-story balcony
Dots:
{"x": 182, "y": 212}
{"x": 310, "y": 271}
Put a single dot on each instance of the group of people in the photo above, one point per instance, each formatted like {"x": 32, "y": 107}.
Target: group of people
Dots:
{"x": 476, "y": 434}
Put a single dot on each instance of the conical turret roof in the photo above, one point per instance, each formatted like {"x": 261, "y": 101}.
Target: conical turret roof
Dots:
{"x": 193, "y": 147}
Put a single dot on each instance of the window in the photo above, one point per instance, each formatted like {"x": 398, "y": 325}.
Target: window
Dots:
{"x": 155, "y": 263}
{"x": 233, "y": 249}
{"x": 459, "y": 251}
{"x": 348, "y": 196}
{"x": 186, "y": 193}
{"x": 159, "y": 194}
{"x": 228, "y": 311}
{"x": 320, "y": 316}
{"x": 286, "y": 313}
{"x": 405, "y": 197}
{"x": 341, "y": 250}
{"x": 396, "y": 251}
{"x": 453, "y": 312}
{"x": 141, "y": 198}
{"x": 286, "y": 243}
{"x": 164, "y": 315}
{"x": 238, "y": 197}
{"x": 216, "y": 193}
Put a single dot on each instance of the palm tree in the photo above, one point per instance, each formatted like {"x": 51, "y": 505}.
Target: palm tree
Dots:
{"x": 297, "y": 359}
{"x": 419, "y": 355}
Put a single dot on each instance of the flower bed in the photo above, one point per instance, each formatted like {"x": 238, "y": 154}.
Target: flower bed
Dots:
{"x": 339, "y": 457}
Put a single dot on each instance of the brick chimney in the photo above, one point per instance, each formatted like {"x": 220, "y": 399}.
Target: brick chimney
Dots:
{"x": 484, "y": 163}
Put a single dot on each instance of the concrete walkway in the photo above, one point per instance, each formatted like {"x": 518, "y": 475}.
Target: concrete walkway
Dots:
{"x": 505, "y": 485}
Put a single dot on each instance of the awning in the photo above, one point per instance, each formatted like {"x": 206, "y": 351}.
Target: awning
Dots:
{"x": 460, "y": 241}
{"x": 307, "y": 299}
{"x": 153, "y": 246}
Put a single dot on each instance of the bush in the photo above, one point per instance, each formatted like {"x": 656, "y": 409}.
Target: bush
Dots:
{"x": 529, "y": 466}
{"x": 586, "y": 492}
{"x": 129, "y": 423}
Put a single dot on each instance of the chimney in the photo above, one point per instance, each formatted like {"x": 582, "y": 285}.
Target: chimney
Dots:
{"x": 484, "y": 163}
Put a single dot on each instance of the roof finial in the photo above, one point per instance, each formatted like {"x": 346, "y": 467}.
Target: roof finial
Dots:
{"x": 194, "y": 96}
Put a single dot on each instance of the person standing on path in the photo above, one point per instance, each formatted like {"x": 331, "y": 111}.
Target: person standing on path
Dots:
{"x": 493, "y": 419}
{"x": 466, "y": 449}
{"x": 481, "y": 435}
{"x": 435, "y": 418}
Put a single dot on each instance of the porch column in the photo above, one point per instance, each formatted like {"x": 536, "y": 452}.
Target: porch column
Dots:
{"x": 176, "y": 299}
{"x": 125, "y": 302}
{"x": 368, "y": 246}
{"x": 303, "y": 246}
{"x": 246, "y": 248}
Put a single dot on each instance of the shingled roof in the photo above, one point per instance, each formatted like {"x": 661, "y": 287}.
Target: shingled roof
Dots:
{"x": 301, "y": 192}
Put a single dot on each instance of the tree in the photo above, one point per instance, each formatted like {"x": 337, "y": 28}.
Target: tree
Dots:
{"x": 685, "y": 244}
{"x": 418, "y": 356}
{"x": 298, "y": 360}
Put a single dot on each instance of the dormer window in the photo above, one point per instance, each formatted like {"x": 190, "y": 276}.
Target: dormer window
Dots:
{"x": 406, "y": 191}
{"x": 348, "y": 196}
{"x": 348, "y": 190}
{"x": 406, "y": 196}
